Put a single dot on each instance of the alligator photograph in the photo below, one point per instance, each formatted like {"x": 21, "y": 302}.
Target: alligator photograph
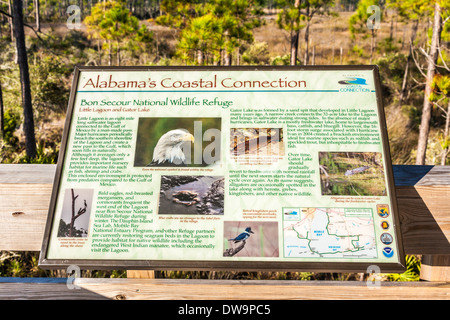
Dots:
{"x": 352, "y": 173}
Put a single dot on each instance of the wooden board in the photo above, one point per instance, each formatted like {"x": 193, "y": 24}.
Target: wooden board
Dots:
{"x": 167, "y": 289}
{"x": 424, "y": 208}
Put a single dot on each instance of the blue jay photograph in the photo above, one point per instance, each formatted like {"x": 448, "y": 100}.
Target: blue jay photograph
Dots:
{"x": 250, "y": 239}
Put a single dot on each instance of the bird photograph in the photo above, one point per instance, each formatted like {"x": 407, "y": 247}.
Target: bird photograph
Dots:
{"x": 175, "y": 142}
{"x": 169, "y": 149}
{"x": 251, "y": 239}
{"x": 242, "y": 236}
{"x": 75, "y": 213}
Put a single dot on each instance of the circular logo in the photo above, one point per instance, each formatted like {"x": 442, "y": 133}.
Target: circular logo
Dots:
{"x": 388, "y": 252}
{"x": 384, "y": 225}
{"x": 386, "y": 238}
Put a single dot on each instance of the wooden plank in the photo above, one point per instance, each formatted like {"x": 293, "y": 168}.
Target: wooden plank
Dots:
{"x": 23, "y": 215}
{"x": 435, "y": 268}
{"x": 424, "y": 213}
{"x": 169, "y": 289}
{"x": 141, "y": 274}
{"x": 424, "y": 209}
{"x": 27, "y": 173}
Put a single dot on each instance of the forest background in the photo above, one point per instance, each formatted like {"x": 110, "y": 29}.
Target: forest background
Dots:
{"x": 41, "y": 41}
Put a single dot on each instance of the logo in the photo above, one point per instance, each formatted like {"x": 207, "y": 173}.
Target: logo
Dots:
{"x": 354, "y": 84}
{"x": 384, "y": 225}
{"x": 383, "y": 210}
{"x": 388, "y": 252}
{"x": 291, "y": 213}
{"x": 386, "y": 238}
{"x": 354, "y": 81}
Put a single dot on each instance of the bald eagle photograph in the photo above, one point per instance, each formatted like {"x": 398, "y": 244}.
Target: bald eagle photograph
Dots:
{"x": 172, "y": 142}
{"x": 169, "y": 149}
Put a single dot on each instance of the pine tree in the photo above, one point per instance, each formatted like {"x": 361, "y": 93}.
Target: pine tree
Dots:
{"x": 112, "y": 23}
{"x": 28, "y": 121}
{"x": 432, "y": 57}
{"x": 358, "y": 23}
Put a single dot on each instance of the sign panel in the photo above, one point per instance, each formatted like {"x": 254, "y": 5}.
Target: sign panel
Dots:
{"x": 256, "y": 168}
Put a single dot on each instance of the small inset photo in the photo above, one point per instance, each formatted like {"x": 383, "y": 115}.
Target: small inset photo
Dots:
{"x": 257, "y": 143}
{"x": 352, "y": 173}
{"x": 178, "y": 142}
{"x": 250, "y": 239}
{"x": 291, "y": 213}
{"x": 192, "y": 195}
{"x": 75, "y": 214}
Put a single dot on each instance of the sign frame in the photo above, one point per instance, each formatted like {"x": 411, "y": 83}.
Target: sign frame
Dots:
{"x": 233, "y": 265}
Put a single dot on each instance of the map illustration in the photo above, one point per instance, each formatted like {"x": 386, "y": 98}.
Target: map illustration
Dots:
{"x": 329, "y": 232}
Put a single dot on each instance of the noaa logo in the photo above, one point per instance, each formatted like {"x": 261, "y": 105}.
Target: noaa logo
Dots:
{"x": 388, "y": 252}
{"x": 354, "y": 81}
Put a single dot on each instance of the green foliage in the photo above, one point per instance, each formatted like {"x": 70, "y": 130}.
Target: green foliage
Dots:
{"x": 25, "y": 264}
{"x": 64, "y": 230}
{"x": 49, "y": 90}
{"x": 411, "y": 9}
{"x": 358, "y": 50}
{"x": 207, "y": 31}
{"x": 112, "y": 23}
{"x": 256, "y": 54}
{"x": 11, "y": 121}
{"x": 43, "y": 155}
{"x": 358, "y": 21}
{"x": 290, "y": 18}
{"x": 387, "y": 46}
{"x": 412, "y": 272}
{"x": 281, "y": 60}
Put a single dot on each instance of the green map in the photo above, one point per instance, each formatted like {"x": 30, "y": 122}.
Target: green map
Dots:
{"x": 329, "y": 232}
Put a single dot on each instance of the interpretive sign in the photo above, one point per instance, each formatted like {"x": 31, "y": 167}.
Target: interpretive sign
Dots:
{"x": 255, "y": 168}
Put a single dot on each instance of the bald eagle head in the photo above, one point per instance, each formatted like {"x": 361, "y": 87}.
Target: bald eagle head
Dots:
{"x": 168, "y": 151}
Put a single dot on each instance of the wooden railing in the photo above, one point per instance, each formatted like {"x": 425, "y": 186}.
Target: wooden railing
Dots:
{"x": 423, "y": 196}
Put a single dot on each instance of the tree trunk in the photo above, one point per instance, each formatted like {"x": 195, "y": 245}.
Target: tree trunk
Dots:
{"x": 372, "y": 45}
{"x": 308, "y": 20}
{"x": 2, "y": 123}
{"x": 11, "y": 21}
{"x": 110, "y": 52}
{"x": 38, "y": 18}
{"x": 307, "y": 43}
{"x": 295, "y": 36}
{"x": 313, "y": 56}
{"x": 408, "y": 61}
{"x": 447, "y": 125}
{"x": 426, "y": 111}
{"x": 28, "y": 122}
{"x": 227, "y": 58}
{"x": 118, "y": 55}
{"x": 294, "y": 47}
{"x": 200, "y": 57}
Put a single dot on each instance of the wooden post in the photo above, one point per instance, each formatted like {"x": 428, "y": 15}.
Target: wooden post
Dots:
{"x": 435, "y": 267}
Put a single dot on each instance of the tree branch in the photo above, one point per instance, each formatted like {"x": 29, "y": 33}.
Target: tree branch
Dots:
{"x": 26, "y": 25}
{"x": 417, "y": 64}
{"x": 443, "y": 60}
